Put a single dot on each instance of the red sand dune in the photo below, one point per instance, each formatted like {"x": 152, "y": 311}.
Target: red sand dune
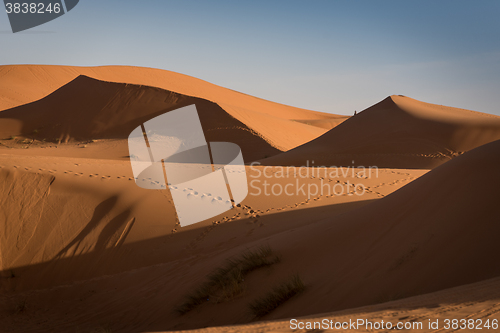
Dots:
{"x": 87, "y": 109}
{"x": 275, "y": 123}
{"x": 82, "y": 247}
{"x": 437, "y": 232}
{"x": 398, "y": 132}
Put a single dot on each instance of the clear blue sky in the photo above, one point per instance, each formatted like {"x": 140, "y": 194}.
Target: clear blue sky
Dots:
{"x": 333, "y": 56}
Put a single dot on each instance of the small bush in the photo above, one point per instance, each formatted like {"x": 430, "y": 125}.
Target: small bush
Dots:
{"x": 226, "y": 282}
{"x": 279, "y": 295}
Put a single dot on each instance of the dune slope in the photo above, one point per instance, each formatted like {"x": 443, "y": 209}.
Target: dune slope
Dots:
{"x": 398, "y": 132}
{"x": 437, "y": 232}
{"x": 21, "y": 84}
{"x": 440, "y": 231}
{"x": 89, "y": 109}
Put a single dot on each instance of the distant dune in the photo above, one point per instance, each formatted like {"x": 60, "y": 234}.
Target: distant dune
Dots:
{"x": 88, "y": 109}
{"x": 437, "y": 232}
{"x": 398, "y": 132}
{"x": 82, "y": 247}
{"x": 283, "y": 127}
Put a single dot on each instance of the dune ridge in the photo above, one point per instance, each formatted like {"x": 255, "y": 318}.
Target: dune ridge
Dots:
{"x": 22, "y": 84}
{"x": 388, "y": 249}
{"x": 398, "y": 132}
{"x": 87, "y": 109}
{"x": 83, "y": 247}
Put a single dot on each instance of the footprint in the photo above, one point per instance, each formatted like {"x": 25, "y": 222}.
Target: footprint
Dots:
{"x": 216, "y": 200}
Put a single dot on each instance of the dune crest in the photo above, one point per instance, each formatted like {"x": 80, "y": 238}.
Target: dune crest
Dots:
{"x": 83, "y": 247}
{"x": 398, "y": 132}
{"x": 403, "y": 245}
{"x": 87, "y": 109}
{"x": 277, "y": 123}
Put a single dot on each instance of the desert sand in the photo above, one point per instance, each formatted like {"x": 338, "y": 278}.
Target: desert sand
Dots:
{"x": 281, "y": 127}
{"x": 398, "y": 132}
{"x": 84, "y": 249}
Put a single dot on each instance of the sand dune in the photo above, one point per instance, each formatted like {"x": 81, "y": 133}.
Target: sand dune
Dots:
{"x": 87, "y": 213}
{"x": 437, "y": 232}
{"x": 398, "y": 132}
{"x": 274, "y": 122}
{"x": 325, "y": 123}
{"x": 479, "y": 302}
{"x": 408, "y": 243}
{"x": 84, "y": 248}
{"x": 88, "y": 110}
{"x": 23, "y": 84}
{"x": 402, "y": 245}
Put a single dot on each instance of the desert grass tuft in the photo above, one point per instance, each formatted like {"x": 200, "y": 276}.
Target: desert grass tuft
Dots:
{"x": 279, "y": 295}
{"x": 226, "y": 282}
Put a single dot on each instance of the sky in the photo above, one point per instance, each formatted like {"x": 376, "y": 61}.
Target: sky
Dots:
{"x": 331, "y": 56}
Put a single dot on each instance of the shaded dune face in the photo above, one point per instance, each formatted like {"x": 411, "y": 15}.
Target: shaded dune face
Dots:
{"x": 82, "y": 246}
{"x": 405, "y": 244}
{"x": 398, "y": 132}
{"x": 439, "y": 231}
{"x": 284, "y": 127}
{"x": 87, "y": 109}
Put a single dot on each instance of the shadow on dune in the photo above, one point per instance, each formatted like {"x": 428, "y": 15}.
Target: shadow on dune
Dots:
{"x": 143, "y": 281}
{"x": 87, "y": 109}
{"x": 398, "y": 132}
{"x": 107, "y": 234}
{"x": 110, "y": 253}
{"x": 438, "y": 232}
